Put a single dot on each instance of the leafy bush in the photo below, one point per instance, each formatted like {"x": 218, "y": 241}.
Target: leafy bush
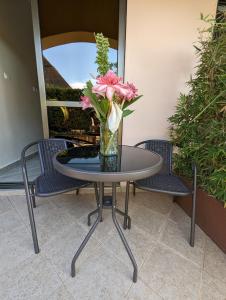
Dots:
{"x": 63, "y": 94}
{"x": 77, "y": 119}
{"x": 199, "y": 123}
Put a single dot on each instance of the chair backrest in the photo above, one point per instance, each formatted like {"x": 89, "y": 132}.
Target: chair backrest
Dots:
{"x": 46, "y": 149}
{"x": 162, "y": 147}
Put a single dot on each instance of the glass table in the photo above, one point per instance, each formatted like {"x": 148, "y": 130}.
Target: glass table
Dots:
{"x": 86, "y": 163}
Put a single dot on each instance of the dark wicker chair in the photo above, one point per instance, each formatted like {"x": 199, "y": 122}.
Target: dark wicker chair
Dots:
{"x": 50, "y": 182}
{"x": 165, "y": 181}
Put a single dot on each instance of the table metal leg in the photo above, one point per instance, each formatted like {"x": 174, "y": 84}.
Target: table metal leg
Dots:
{"x": 127, "y": 219}
{"x": 101, "y": 192}
{"x": 89, "y": 233}
{"x": 91, "y": 214}
{"x": 121, "y": 233}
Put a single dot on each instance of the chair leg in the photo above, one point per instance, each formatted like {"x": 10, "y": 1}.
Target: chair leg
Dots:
{"x": 32, "y": 220}
{"x": 77, "y": 192}
{"x": 33, "y": 196}
{"x": 96, "y": 193}
{"x": 192, "y": 234}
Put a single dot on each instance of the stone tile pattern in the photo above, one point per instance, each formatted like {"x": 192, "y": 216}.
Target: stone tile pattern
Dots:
{"x": 168, "y": 267}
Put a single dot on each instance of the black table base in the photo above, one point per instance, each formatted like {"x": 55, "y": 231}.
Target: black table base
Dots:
{"x": 107, "y": 204}
{"x": 111, "y": 202}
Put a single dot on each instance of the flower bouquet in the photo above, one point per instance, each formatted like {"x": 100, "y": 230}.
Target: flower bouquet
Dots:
{"x": 109, "y": 97}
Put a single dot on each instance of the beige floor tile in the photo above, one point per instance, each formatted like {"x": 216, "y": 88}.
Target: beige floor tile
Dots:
{"x": 178, "y": 215}
{"x": 33, "y": 279}
{"x": 15, "y": 247}
{"x": 147, "y": 220}
{"x": 59, "y": 294}
{"x": 9, "y": 221}
{"x": 171, "y": 276}
{"x": 176, "y": 236}
{"x": 53, "y": 223}
{"x": 5, "y": 204}
{"x": 215, "y": 261}
{"x": 140, "y": 291}
{"x": 43, "y": 208}
{"x": 104, "y": 229}
{"x": 167, "y": 269}
{"x": 61, "y": 249}
{"x": 101, "y": 276}
{"x": 77, "y": 206}
{"x": 139, "y": 241}
{"x": 212, "y": 288}
{"x": 158, "y": 202}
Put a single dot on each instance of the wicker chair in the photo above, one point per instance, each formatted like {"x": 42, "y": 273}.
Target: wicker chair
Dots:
{"x": 50, "y": 182}
{"x": 165, "y": 181}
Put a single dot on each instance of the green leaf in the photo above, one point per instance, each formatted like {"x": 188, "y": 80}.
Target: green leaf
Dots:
{"x": 127, "y": 112}
{"x": 128, "y": 103}
{"x": 94, "y": 101}
{"x": 104, "y": 104}
{"x": 199, "y": 122}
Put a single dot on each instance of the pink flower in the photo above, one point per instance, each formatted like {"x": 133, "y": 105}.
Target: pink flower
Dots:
{"x": 107, "y": 85}
{"x": 132, "y": 91}
{"x": 110, "y": 78}
{"x": 110, "y": 84}
{"x": 126, "y": 91}
{"x": 85, "y": 102}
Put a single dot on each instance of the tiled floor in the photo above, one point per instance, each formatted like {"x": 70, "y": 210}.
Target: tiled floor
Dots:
{"x": 168, "y": 267}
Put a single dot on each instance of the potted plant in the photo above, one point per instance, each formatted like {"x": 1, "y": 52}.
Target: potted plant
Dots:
{"x": 199, "y": 128}
{"x": 109, "y": 97}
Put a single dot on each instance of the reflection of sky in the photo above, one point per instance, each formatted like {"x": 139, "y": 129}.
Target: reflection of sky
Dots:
{"x": 75, "y": 61}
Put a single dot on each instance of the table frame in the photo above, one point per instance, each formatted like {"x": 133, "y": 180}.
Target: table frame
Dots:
{"x": 112, "y": 177}
{"x": 98, "y": 220}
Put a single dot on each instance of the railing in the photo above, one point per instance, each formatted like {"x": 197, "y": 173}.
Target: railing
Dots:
{"x": 55, "y": 103}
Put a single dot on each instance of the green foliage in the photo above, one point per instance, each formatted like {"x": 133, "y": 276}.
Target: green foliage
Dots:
{"x": 128, "y": 103}
{"x": 199, "y": 123}
{"x": 102, "y": 62}
{"x": 63, "y": 94}
{"x": 77, "y": 119}
{"x": 63, "y": 119}
{"x": 127, "y": 112}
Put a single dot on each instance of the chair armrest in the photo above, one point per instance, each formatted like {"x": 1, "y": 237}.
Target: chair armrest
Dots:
{"x": 23, "y": 163}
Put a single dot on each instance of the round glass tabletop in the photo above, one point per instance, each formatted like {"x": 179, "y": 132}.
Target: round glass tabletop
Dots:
{"x": 86, "y": 163}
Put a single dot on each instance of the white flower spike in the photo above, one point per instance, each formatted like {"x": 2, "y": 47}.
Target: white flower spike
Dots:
{"x": 115, "y": 117}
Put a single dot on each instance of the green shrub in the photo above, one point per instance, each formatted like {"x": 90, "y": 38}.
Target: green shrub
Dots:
{"x": 199, "y": 123}
{"x": 77, "y": 119}
{"x": 63, "y": 94}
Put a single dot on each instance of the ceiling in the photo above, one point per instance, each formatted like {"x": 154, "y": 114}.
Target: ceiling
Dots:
{"x": 57, "y": 17}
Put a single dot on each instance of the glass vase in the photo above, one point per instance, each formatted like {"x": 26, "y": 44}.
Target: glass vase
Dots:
{"x": 108, "y": 141}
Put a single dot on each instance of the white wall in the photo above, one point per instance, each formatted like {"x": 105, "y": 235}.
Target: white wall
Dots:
{"x": 20, "y": 117}
{"x": 159, "y": 60}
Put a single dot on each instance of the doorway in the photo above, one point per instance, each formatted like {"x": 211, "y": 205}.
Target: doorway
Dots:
{"x": 68, "y": 51}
